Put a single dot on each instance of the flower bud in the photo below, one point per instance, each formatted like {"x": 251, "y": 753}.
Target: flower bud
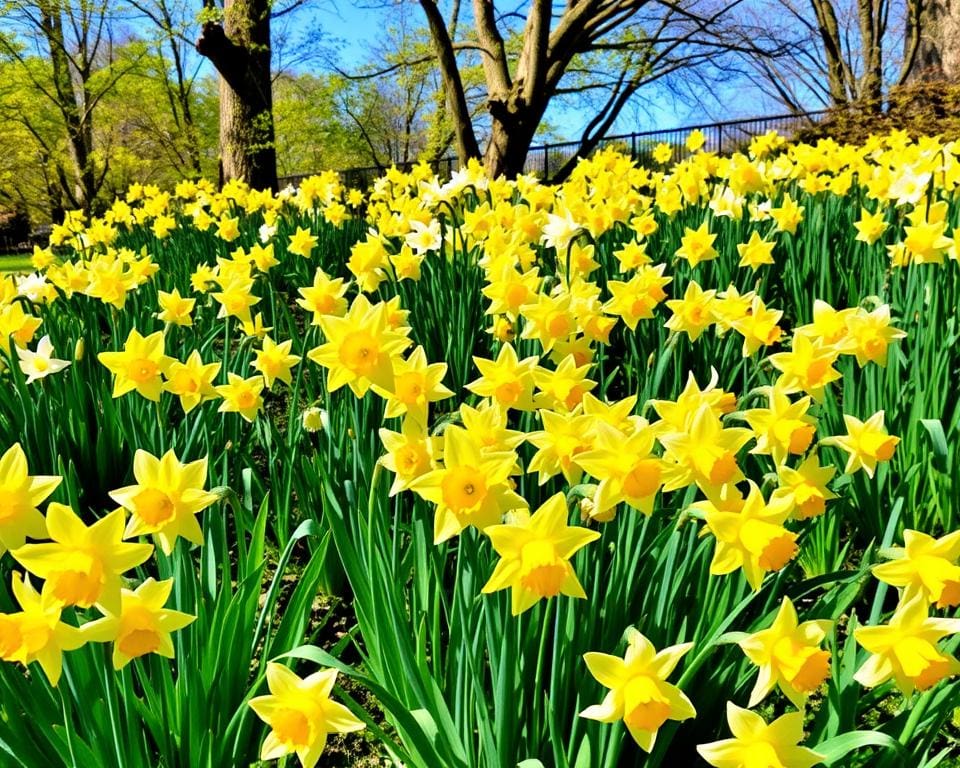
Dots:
{"x": 315, "y": 419}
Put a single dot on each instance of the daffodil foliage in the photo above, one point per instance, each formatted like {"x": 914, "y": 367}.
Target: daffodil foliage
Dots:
{"x": 654, "y": 467}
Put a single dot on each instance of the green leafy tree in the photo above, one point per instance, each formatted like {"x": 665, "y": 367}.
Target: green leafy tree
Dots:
{"x": 141, "y": 129}
{"x": 75, "y": 42}
{"x": 35, "y": 163}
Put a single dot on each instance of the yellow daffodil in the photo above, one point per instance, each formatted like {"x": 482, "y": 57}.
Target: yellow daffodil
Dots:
{"x": 788, "y": 654}
{"x": 693, "y": 313}
{"x": 509, "y": 289}
{"x": 166, "y": 498}
{"x": 302, "y": 243}
{"x": 508, "y": 381}
{"x": 535, "y": 551}
{"x": 139, "y": 366}
{"x": 503, "y": 330}
{"x": 368, "y": 261}
{"x": 870, "y": 227}
{"x": 16, "y": 326}
{"x": 563, "y": 388}
{"x": 360, "y": 348}
{"x": 926, "y": 241}
{"x": 906, "y": 649}
{"x": 324, "y": 297}
{"x": 254, "y": 327}
{"x": 695, "y": 140}
{"x": 632, "y": 256}
{"x": 757, "y": 743}
{"x": 696, "y": 245}
{"x": 784, "y": 428}
{"x": 788, "y": 216}
{"x": 301, "y": 714}
{"x": 203, "y": 278}
{"x": 410, "y": 453}
{"x": 636, "y": 299}
{"x": 82, "y": 565}
{"x": 871, "y": 335}
{"x": 705, "y": 454}
{"x": 20, "y": 495}
{"x": 241, "y": 396}
{"x": 663, "y": 153}
{"x": 141, "y": 625}
{"x": 807, "y": 367}
{"x": 866, "y": 443}
{"x": 470, "y": 489}
{"x": 639, "y": 692}
{"x": 274, "y": 361}
{"x": 228, "y": 228}
{"x": 730, "y": 307}
{"x": 806, "y": 487}
{"x": 618, "y": 413}
{"x": 263, "y": 257}
{"x": 549, "y": 319}
{"x": 416, "y": 384}
{"x": 236, "y": 298}
{"x": 163, "y": 225}
{"x": 626, "y": 468}
{"x": 925, "y": 565}
{"x": 563, "y": 438}
{"x": 486, "y": 425}
{"x": 758, "y": 326}
{"x": 678, "y": 415}
{"x": 830, "y": 326}
{"x": 36, "y": 632}
{"x": 755, "y": 252}
{"x": 191, "y": 381}
{"x": 753, "y": 538}
{"x": 175, "y": 308}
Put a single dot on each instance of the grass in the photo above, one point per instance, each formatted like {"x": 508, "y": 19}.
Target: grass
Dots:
{"x": 14, "y": 262}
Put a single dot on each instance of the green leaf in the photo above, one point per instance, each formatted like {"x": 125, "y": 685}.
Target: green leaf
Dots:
{"x": 941, "y": 450}
{"x": 584, "y": 755}
{"x": 730, "y": 638}
{"x": 833, "y": 750}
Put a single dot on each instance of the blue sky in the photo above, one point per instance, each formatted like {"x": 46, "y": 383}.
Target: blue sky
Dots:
{"x": 358, "y": 28}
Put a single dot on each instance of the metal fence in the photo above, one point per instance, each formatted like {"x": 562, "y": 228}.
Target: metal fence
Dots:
{"x": 547, "y": 160}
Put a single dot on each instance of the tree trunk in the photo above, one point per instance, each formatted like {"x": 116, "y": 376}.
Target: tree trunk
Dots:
{"x": 71, "y": 102}
{"x": 870, "y": 93}
{"x": 180, "y": 96}
{"x": 511, "y": 132}
{"x": 456, "y": 99}
{"x": 938, "y": 52}
{"x": 829, "y": 30}
{"x": 240, "y": 50}
{"x": 55, "y": 204}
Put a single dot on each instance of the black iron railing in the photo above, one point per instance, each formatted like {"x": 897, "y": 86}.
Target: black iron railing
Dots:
{"x": 547, "y": 160}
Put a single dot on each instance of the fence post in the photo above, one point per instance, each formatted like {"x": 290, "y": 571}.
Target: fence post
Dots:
{"x": 633, "y": 145}
{"x": 546, "y": 163}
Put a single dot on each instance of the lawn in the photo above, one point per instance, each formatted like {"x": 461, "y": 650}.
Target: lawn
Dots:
{"x": 14, "y": 262}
